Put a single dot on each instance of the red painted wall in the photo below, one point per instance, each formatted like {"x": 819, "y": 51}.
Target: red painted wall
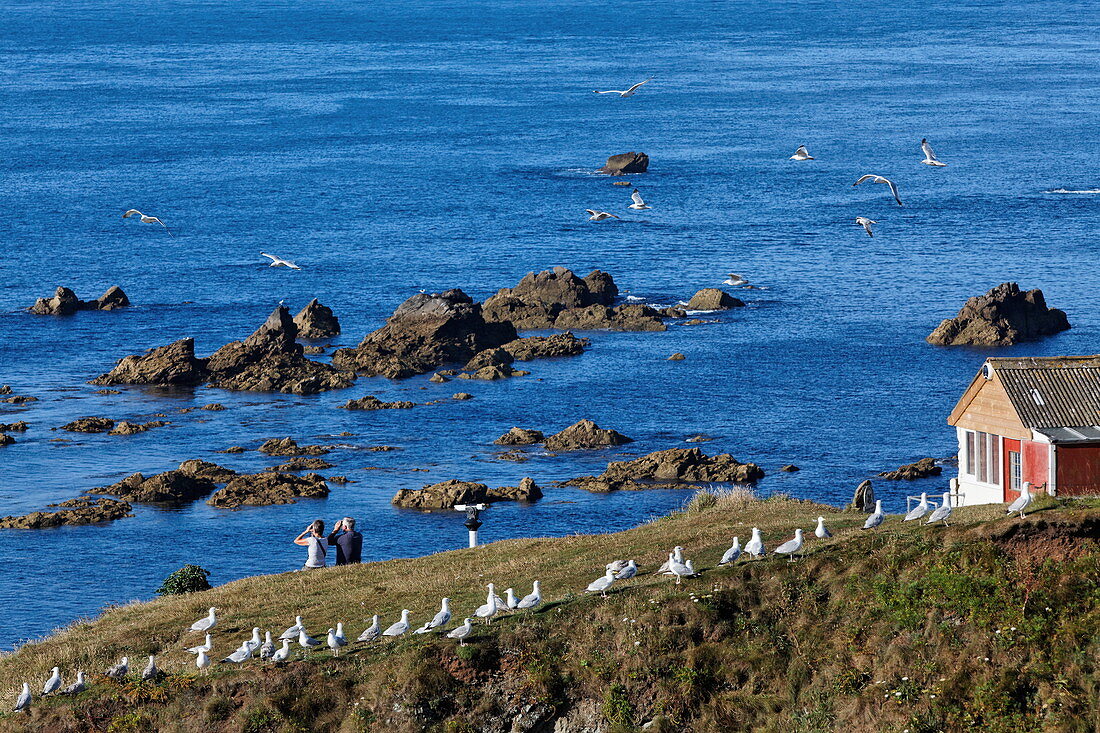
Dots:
{"x": 1010, "y": 446}
{"x": 1037, "y": 464}
{"x": 1078, "y": 470}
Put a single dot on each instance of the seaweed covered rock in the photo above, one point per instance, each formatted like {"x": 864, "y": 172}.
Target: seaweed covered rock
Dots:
{"x": 290, "y": 447}
{"x": 370, "y": 402}
{"x": 624, "y": 163}
{"x": 64, "y": 302}
{"x": 316, "y": 321}
{"x": 670, "y": 468}
{"x": 72, "y": 512}
{"x": 265, "y": 489}
{"x": 584, "y": 435}
{"x": 520, "y": 436}
{"x": 14, "y": 427}
{"x": 174, "y": 365}
{"x": 89, "y": 425}
{"x": 424, "y": 332}
{"x": 923, "y": 468}
{"x": 1003, "y": 316}
{"x": 170, "y": 486}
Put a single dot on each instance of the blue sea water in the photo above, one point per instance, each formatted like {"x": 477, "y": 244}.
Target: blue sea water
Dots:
{"x": 396, "y": 146}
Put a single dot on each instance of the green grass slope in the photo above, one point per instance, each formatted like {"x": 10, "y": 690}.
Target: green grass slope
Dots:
{"x": 992, "y": 624}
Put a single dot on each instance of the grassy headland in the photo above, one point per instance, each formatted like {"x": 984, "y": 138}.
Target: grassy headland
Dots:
{"x": 992, "y": 624}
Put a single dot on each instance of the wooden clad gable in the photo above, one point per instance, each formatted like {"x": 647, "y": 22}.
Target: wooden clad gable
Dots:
{"x": 985, "y": 406}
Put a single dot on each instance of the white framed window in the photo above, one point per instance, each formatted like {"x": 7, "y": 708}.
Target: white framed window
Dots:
{"x": 983, "y": 457}
{"x": 1015, "y": 470}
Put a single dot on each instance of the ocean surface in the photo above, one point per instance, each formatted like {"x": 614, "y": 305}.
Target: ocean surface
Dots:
{"x": 392, "y": 147}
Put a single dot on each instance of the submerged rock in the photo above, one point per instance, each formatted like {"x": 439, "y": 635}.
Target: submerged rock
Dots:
{"x": 170, "y": 486}
{"x": 520, "y": 436}
{"x": 462, "y": 396}
{"x": 370, "y": 402}
{"x": 89, "y": 425}
{"x": 584, "y": 435}
{"x": 713, "y": 299}
{"x": 669, "y": 468}
{"x": 546, "y": 347}
{"x": 446, "y": 494}
{"x": 72, "y": 512}
{"x": 424, "y": 332}
{"x": 174, "y": 365}
{"x": 14, "y": 427}
{"x": 1002, "y": 317}
{"x": 624, "y": 163}
{"x": 923, "y": 468}
{"x": 265, "y": 489}
{"x": 290, "y": 447}
{"x": 316, "y": 321}
{"x": 302, "y": 464}
{"x": 64, "y": 302}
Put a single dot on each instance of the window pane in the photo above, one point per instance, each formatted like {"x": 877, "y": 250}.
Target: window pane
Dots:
{"x": 969, "y": 453}
{"x": 1015, "y": 470}
{"x": 994, "y": 459}
{"x": 982, "y": 458}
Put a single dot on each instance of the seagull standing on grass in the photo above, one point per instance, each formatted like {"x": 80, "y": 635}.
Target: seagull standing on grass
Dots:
{"x": 666, "y": 568}
{"x": 202, "y": 661}
{"x": 280, "y": 655}
{"x": 755, "y": 545}
{"x": 268, "y": 647}
{"x": 292, "y": 632}
{"x": 624, "y": 93}
{"x": 531, "y": 600}
{"x": 680, "y": 569}
{"x": 876, "y": 516}
{"x": 242, "y": 654}
{"x": 147, "y": 220}
{"x": 594, "y": 215}
{"x": 866, "y": 223}
{"x": 462, "y": 632}
{"x": 207, "y": 622}
{"x": 790, "y": 548}
{"x": 150, "y": 672}
{"x": 917, "y": 512}
{"x": 929, "y": 156}
{"x": 335, "y": 642}
{"x": 488, "y": 610}
{"x": 279, "y": 262}
{"x": 306, "y": 641}
{"x": 372, "y": 632}
{"x": 24, "y": 700}
{"x": 879, "y": 179}
{"x": 120, "y": 670}
{"x": 628, "y": 572}
{"x": 400, "y": 627}
{"x": 801, "y": 154}
{"x": 53, "y": 683}
{"x": 77, "y": 687}
{"x": 821, "y": 532}
{"x": 204, "y": 647}
{"x": 734, "y": 552}
{"x": 253, "y": 642}
{"x": 600, "y": 585}
{"x": 510, "y": 601}
{"x": 943, "y": 511}
{"x": 1023, "y": 501}
{"x": 441, "y": 619}
{"x": 639, "y": 203}
{"x": 340, "y": 632}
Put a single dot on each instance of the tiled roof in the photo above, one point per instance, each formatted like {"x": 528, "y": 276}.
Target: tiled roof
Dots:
{"x": 1053, "y": 391}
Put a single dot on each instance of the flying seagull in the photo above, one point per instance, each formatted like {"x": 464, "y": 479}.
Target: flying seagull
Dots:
{"x": 943, "y": 511}
{"x": 279, "y": 262}
{"x": 147, "y": 219}
{"x": 1022, "y": 502}
{"x": 801, "y": 154}
{"x": 638, "y": 202}
{"x": 594, "y": 215}
{"x": 207, "y": 622}
{"x": 929, "y": 156}
{"x": 462, "y": 632}
{"x": 628, "y": 93}
{"x": 879, "y": 179}
{"x": 866, "y": 223}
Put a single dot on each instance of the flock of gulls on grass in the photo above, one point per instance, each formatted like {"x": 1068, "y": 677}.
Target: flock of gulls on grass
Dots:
{"x": 266, "y": 647}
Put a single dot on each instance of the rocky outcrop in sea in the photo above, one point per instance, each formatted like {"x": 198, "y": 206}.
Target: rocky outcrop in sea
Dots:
{"x": 669, "y": 469}
{"x": 64, "y": 302}
{"x": 1004, "y": 316}
{"x": 447, "y": 494}
{"x": 624, "y": 163}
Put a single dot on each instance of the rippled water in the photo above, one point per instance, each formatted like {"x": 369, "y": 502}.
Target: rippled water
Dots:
{"x": 390, "y": 147}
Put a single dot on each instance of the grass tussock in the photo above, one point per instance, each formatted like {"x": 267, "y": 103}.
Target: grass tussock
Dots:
{"x": 992, "y": 624}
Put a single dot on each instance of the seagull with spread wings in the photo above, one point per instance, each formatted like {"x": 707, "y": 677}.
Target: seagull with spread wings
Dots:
{"x": 279, "y": 262}
{"x": 930, "y": 156}
{"x": 879, "y": 179}
{"x": 147, "y": 220}
{"x": 801, "y": 154}
{"x": 639, "y": 202}
{"x": 624, "y": 93}
{"x": 866, "y": 223}
{"x": 594, "y": 215}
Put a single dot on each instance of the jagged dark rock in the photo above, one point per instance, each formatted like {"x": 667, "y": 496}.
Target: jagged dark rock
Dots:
{"x": 72, "y": 512}
{"x": 1004, "y": 316}
{"x": 265, "y": 489}
{"x": 290, "y": 447}
{"x": 19, "y": 399}
{"x": 196, "y": 468}
{"x": 174, "y": 365}
{"x": 213, "y": 407}
{"x": 170, "y": 486}
{"x": 6, "y": 439}
{"x": 520, "y": 436}
{"x": 424, "y": 332}
{"x": 64, "y": 302}
{"x": 923, "y": 468}
{"x": 446, "y": 494}
{"x": 370, "y": 402}
{"x": 669, "y": 468}
{"x": 14, "y": 427}
{"x": 316, "y": 321}
{"x": 125, "y": 427}
{"x": 584, "y": 435}
{"x": 713, "y": 299}
{"x": 302, "y": 464}
{"x": 545, "y": 347}
{"x": 89, "y": 425}
{"x": 624, "y": 163}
